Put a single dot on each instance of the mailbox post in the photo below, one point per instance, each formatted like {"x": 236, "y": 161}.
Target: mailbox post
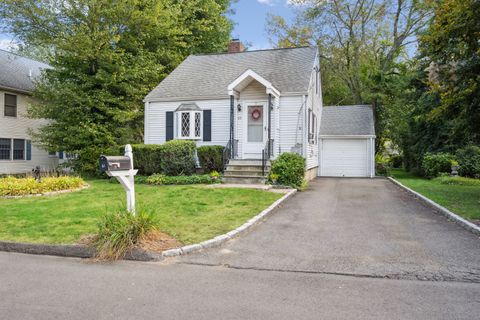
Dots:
{"x": 122, "y": 169}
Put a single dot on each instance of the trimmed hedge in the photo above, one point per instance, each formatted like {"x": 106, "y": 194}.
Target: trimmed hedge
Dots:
{"x": 178, "y": 157}
{"x": 469, "y": 161}
{"x": 146, "y": 158}
{"x": 435, "y": 163}
{"x": 160, "y": 179}
{"x": 175, "y": 157}
{"x": 11, "y": 186}
{"x": 211, "y": 158}
{"x": 289, "y": 169}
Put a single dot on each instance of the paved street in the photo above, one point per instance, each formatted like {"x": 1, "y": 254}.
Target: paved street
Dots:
{"x": 344, "y": 249}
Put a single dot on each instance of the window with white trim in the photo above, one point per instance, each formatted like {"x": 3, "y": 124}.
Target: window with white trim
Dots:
{"x": 188, "y": 124}
{"x": 5, "y": 149}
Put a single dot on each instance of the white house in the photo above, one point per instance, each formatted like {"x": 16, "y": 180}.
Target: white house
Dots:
{"x": 17, "y": 153}
{"x": 259, "y": 104}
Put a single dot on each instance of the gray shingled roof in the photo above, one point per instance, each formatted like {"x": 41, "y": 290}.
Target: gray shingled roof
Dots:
{"x": 15, "y": 71}
{"x": 209, "y": 75}
{"x": 347, "y": 120}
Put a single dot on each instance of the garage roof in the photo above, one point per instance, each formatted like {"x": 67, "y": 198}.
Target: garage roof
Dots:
{"x": 347, "y": 120}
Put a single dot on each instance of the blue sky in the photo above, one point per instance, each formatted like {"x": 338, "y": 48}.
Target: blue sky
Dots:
{"x": 250, "y": 19}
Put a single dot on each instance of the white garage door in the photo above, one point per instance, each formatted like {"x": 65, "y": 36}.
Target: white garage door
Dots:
{"x": 344, "y": 158}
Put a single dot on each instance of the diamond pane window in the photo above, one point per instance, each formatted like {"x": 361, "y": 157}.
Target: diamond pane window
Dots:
{"x": 197, "y": 124}
{"x": 185, "y": 123}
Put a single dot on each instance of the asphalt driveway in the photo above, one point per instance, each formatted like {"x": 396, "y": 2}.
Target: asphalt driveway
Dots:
{"x": 358, "y": 227}
{"x": 344, "y": 249}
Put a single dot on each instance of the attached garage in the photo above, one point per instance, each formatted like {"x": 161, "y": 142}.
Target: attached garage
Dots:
{"x": 347, "y": 142}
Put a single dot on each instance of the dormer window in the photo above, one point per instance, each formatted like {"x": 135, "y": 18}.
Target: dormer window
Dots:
{"x": 188, "y": 121}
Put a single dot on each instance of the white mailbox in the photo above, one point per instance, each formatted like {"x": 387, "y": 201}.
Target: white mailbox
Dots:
{"x": 122, "y": 169}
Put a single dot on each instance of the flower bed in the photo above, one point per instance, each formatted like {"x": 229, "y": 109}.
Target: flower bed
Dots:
{"x": 11, "y": 186}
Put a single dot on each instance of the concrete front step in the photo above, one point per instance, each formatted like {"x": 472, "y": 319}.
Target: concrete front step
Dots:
{"x": 255, "y": 173}
{"x": 237, "y": 167}
{"x": 243, "y": 180}
{"x": 245, "y": 171}
{"x": 247, "y": 162}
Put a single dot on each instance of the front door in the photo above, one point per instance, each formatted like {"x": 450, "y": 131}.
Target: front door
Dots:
{"x": 255, "y": 128}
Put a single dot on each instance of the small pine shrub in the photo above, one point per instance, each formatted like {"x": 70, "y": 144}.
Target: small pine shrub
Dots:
{"x": 290, "y": 169}
{"x": 435, "y": 163}
{"x": 120, "y": 231}
{"x": 211, "y": 158}
{"x": 469, "y": 161}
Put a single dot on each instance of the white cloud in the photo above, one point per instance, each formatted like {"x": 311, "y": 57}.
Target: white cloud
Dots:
{"x": 267, "y": 2}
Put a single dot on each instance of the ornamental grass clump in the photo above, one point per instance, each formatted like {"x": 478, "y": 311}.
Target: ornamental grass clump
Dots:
{"x": 11, "y": 186}
{"x": 120, "y": 231}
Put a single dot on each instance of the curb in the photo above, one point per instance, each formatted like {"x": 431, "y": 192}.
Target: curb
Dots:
{"x": 70, "y": 250}
{"x": 442, "y": 210}
{"x": 82, "y": 251}
{"x": 219, "y": 240}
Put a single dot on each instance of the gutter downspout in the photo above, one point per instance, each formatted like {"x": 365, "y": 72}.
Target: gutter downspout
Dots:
{"x": 269, "y": 125}
{"x": 305, "y": 126}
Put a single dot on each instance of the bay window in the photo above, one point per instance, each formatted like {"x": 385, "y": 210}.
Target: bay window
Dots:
{"x": 188, "y": 123}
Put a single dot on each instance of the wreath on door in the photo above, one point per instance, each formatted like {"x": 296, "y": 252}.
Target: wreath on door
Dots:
{"x": 256, "y": 114}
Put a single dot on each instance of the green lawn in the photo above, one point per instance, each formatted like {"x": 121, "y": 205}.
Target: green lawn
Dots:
{"x": 460, "y": 199}
{"x": 188, "y": 213}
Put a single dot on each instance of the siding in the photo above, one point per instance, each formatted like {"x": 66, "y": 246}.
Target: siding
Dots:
{"x": 291, "y": 123}
{"x": 155, "y": 120}
{"x": 18, "y": 128}
{"x": 314, "y": 102}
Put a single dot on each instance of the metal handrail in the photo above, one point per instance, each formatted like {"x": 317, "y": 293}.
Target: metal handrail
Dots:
{"x": 229, "y": 152}
{"x": 267, "y": 153}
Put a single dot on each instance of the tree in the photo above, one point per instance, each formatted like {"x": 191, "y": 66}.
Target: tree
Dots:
{"x": 362, "y": 44}
{"x": 445, "y": 93}
{"x": 106, "y": 56}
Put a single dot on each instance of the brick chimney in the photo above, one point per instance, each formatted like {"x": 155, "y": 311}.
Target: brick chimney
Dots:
{"x": 235, "y": 46}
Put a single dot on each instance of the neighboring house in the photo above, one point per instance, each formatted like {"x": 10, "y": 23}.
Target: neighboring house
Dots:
{"x": 17, "y": 153}
{"x": 258, "y": 104}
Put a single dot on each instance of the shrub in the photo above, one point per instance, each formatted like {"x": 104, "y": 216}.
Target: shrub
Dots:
{"x": 160, "y": 179}
{"x": 120, "y": 231}
{"x": 396, "y": 161}
{"x": 11, "y": 186}
{"x": 445, "y": 179}
{"x": 146, "y": 158}
{"x": 382, "y": 165}
{"x": 469, "y": 161}
{"x": 435, "y": 163}
{"x": 178, "y": 157}
{"x": 290, "y": 168}
{"x": 211, "y": 158}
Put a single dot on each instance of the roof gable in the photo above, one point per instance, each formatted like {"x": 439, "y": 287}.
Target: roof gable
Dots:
{"x": 288, "y": 70}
